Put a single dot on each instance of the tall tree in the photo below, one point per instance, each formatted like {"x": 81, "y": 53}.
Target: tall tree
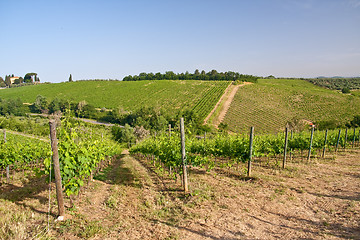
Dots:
{"x": 70, "y": 78}
{"x": 7, "y": 80}
{"x": 40, "y": 105}
{"x": 2, "y": 82}
{"x": 29, "y": 77}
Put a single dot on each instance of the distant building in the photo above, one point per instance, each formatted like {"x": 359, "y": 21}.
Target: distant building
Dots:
{"x": 12, "y": 79}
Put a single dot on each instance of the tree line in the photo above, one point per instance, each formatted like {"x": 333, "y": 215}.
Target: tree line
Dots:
{"x": 212, "y": 75}
{"x": 344, "y": 84}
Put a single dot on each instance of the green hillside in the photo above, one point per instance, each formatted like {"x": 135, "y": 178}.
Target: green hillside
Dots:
{"x": 271, "y": 103}
{"x": 267, "y": 105}
{"x": 167, "y": 94}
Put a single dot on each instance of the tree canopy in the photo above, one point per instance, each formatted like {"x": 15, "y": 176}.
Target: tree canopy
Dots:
{"x": 197, "y": 75}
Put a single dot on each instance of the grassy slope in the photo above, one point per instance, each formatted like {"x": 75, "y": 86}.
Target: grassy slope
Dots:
{"x": 271, "y": 103}
{"x": 129, "y": 95}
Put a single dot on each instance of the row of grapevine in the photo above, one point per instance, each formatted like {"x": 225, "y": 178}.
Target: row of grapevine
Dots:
{"x": 19, "y": 151}
{"x": 210, "y": 99}
{"x": 235, "y": 148}
{"x": 81, "y": 150}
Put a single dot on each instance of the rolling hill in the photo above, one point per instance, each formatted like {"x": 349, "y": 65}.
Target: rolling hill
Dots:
{"x": 267, "y": 105}
{"x": 169, "y": 95}
{"x": 271, "y": 103}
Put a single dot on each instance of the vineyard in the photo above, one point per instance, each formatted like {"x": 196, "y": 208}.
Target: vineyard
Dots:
{"x": 272, "y": 103}
{"x": 82, "y": 153}
{"x": 226, "y": 151}
{"x": 130, "y": 96}
{"x": 132, "y": 198}
{"x": 203, "y": 107}
{"x": 22, "y": 152}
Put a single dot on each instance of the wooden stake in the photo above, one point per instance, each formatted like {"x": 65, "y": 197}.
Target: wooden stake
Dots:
{"x": 346, "y": 136}
{"x": 311, "y": 141}
{"x": 250, "y": 150}
{"x": 183, "y": 155}
{"x": 7, "y": 167}
{"x": 338, "y": 140}
{"x": 353, "y": 143}
{"x": 55, "y": 157}
{"x": 285, "y": 146}
{"x": 291, "y": 137}
{"x": 324, "y": 149}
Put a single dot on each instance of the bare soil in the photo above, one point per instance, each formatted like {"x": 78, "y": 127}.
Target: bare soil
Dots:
{"x": 133, "y": 200}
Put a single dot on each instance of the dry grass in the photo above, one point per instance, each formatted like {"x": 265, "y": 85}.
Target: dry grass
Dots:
{"x": 317, "y": 200}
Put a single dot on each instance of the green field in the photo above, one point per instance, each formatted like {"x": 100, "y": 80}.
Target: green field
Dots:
{"x": 169, "y": 95}
{"x": 271, "y": 103}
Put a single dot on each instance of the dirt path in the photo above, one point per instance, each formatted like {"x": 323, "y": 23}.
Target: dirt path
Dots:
{"x": 308, "y": 201}
{"x": 217, "y": 115}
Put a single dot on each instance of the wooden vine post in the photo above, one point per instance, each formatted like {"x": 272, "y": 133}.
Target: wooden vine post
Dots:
{"x": 311, "y": 141}
{"x": 325, "y": 141}
{"x": 291, "y": 137}
{"x": 338, "y": 140}
{"x": 346, "y": 136}
{"x": 354, "y": 135}
{"x": 250, "y": 150}
{"x": 170, "y": 169}
{"x": 7, "y": 167}
{"x": 183, "y": 155}
{"x": 285, "y": 146}
{"x": 55, "y": 158}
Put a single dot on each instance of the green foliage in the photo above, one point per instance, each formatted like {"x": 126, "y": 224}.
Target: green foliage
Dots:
{"x": 20, "y": 151}
{"x": 12, "y": 107}
{"x": 18, "y": 81}
{"x": 337, "y": 83}
{"x": 2, "y": 82}
{"x": 327, "y": 124}
{"x": 124, "y": 135}
{"x": 7, "y": 81}
{"x": 234, "y": 148}
{"x": 40, "y": 105}
{"x": 213, "y": 75}
{"x": 54, "y": 106}
{"x": 80, "y": 152}
{"x": 26, "y": 125}
{"x": 355, "y": 122}
{"x": 223, "y": 127}
{"x": 345, "y": 90}
{"x": 28, "y": 78}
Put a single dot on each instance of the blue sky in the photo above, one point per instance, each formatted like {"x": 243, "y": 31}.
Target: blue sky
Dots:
{"x": 111, "y": 39}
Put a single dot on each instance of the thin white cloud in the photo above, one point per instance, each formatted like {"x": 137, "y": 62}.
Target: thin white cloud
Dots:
{"x": 354, "y": 3}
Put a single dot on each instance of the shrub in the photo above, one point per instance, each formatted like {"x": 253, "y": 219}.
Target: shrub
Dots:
{"x": 345, "y": 90}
